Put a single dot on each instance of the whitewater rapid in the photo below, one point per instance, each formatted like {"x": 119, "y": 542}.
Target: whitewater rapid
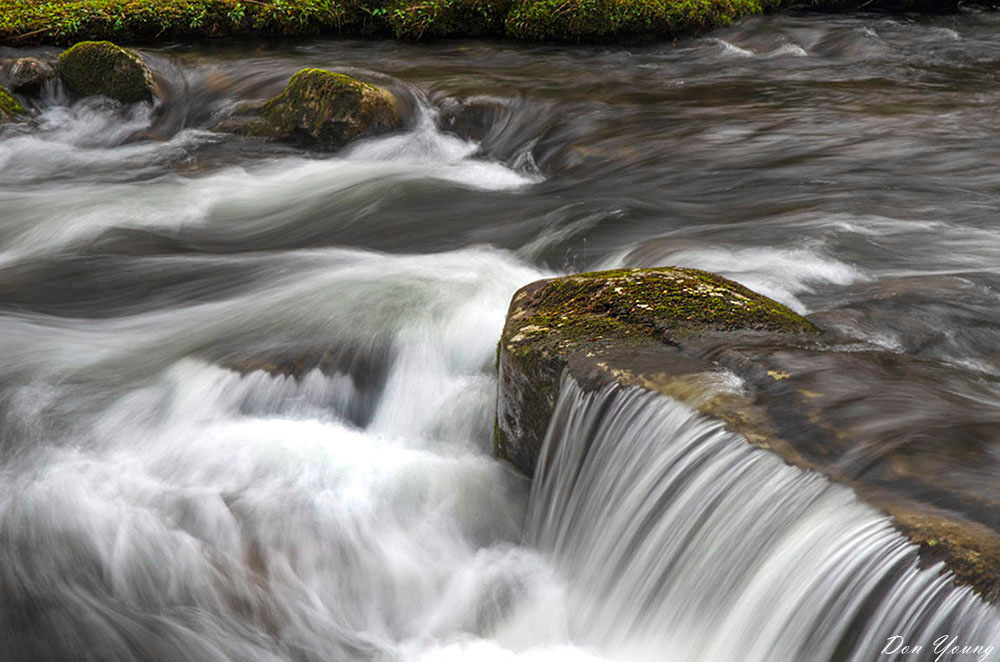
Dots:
{"x": 156, "y": 504}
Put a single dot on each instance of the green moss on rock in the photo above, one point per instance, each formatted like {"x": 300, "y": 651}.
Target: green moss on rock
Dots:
{"x": 653, "y": 303}
{"x": 92, "y": 68}
{"x": 9, "y": 106}
{"x": 327, "y": 110}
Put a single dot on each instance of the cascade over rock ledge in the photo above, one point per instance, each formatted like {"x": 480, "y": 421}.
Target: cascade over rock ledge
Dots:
{"x": 675, "y": 330}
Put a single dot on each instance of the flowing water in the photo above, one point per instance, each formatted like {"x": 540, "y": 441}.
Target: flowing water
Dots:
{"x": 645, "y": 532}
{"x": 156, "y": 504}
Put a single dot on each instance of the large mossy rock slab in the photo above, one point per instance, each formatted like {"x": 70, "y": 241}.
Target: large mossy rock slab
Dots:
{"x": 100, "y": 68}
{"x": 10, "y": 108}
{"x": 873, "y": 420}
{"x": 613, "y": 319}
{"x": 325, "y": 110}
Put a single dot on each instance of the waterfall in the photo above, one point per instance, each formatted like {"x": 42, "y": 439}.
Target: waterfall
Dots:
{"x": 679, "y": 540}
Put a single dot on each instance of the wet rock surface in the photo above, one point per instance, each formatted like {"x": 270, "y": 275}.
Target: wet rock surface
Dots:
{"x": 321, "y": 109}
{"x": 27, "y": 75}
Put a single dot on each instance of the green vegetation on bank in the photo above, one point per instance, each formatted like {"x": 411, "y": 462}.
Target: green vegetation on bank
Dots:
{"x": 24, "y": 22}
{"x": 130, "y": 21}
{"x": 603, "y": 20}
{"x": 68, "y": 21}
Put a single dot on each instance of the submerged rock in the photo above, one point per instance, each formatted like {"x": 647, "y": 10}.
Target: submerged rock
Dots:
{"x": 875, "y": 421}
{"x": 100, "y": 68}
{"x": 28, "y": 74}
{"x": 323, "y": 109}
{"x": 473, "y": 118}
{"x": 10, "y": 109}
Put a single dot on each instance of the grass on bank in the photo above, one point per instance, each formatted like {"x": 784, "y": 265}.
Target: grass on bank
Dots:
{"x": 24, "y": 22}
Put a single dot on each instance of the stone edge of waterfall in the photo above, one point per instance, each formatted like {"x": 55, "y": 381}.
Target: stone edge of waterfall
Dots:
{"x": 674, "y": 331}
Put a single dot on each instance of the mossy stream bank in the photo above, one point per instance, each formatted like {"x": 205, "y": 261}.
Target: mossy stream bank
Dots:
{"x": 24, "y": 22}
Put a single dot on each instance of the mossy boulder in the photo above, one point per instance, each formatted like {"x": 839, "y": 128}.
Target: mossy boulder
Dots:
{"x": 326, "y": 110}
{"x": 583, "y": 321}
{"x": 100, "y": 68}
{"x": 27, "y": 75}
{"x": 10, "y": 108}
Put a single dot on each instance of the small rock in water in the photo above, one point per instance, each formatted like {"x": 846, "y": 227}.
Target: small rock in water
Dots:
{"x": 92, "y": 68}
{"x": 323, "y": 109}
{"x": 28, "y": 74}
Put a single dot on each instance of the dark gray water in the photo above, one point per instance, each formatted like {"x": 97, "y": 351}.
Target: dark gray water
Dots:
{"x": 155, "y": 504}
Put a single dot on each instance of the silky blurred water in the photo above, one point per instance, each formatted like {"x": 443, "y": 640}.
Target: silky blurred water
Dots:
{"x": 706, "y": 548}
{"x": 158, "y": 504}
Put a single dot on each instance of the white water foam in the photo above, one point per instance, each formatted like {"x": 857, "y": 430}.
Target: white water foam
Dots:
{"x": 788, "y": 49}
{"x": 733, "y": 50}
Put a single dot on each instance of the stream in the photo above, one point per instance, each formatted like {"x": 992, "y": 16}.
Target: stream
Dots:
{"x": 158, "y": 504}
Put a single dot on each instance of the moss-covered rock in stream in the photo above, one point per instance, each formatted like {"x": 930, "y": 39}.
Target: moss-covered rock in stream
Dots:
{"x": 590, "y": 317}
{"x": 10, "y": 108}
{"x": 100, "y": 68}
{"x": 802, "y": 396}
{"x": 323, "y": 109}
